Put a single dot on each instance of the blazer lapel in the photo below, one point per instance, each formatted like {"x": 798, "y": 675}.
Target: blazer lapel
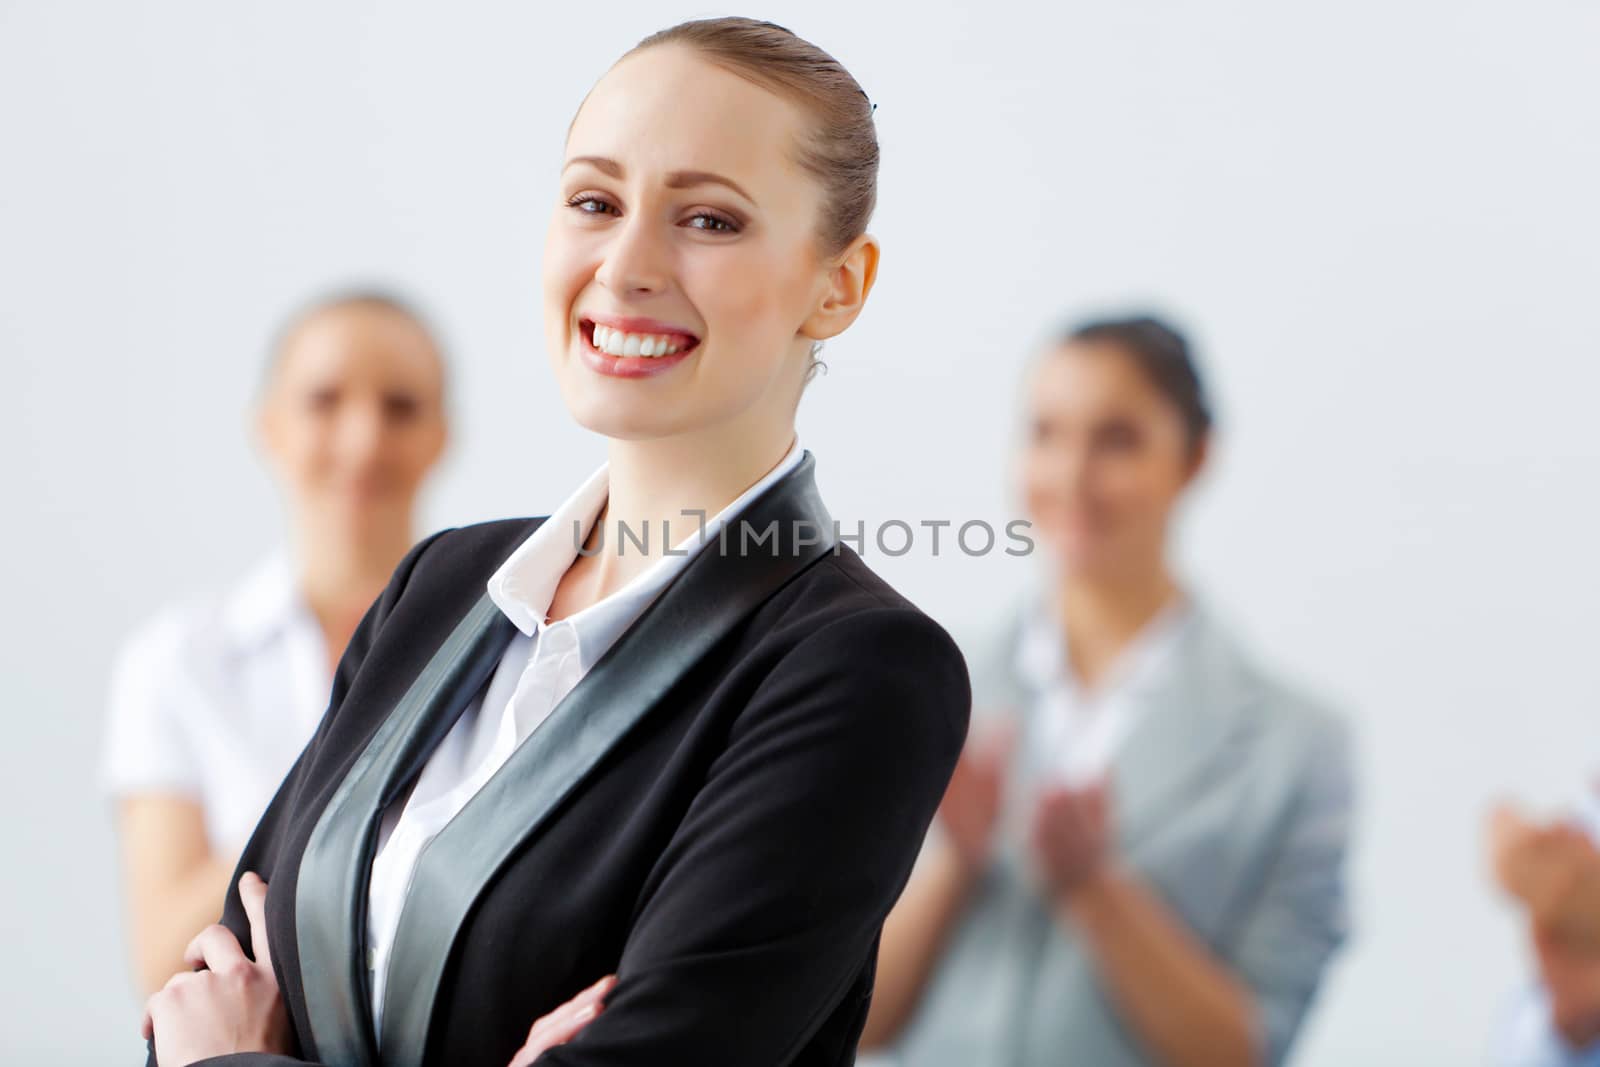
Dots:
{"x": 331, "y": 895}
{"x": 1187, "y": 730}
{"x": 719, "y": 588}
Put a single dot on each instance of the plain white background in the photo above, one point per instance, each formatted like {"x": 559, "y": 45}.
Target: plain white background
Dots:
{"x": 1378, "y": 220}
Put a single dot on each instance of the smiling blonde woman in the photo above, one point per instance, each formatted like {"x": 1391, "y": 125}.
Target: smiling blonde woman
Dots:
{"x": 707, "y": 770}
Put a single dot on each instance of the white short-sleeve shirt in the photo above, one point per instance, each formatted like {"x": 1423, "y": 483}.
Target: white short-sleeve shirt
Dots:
{"x": 214, "y": 698}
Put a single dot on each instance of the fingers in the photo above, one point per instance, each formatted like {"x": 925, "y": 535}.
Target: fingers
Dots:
{"x": 1100, "y": 805}
{"x": 990, "y": 739}
{"x": 992, "y": 751}
{"x": 214, "y": 948}
{"x": 600, "y": 988}
{"x": 1501, "y": 810}
{"x": 566, "y": 1022}
{"x": 1069, "y": 820}
{"x": 997, "y": 739}
{"x": 155, "y": 1003}
{"x": 564, "y": 1027}
{"x": 1052, "y": 801}
{"x": 253, "y": 894}
{"x": 1078, "y": 807}
{"x": 585, "y": 1004}
{"x": 1076, "y": 814}
{"x": 1502, "y": 828}
{"x": 591, "y": 998}
{"x": 1053, "y": 815}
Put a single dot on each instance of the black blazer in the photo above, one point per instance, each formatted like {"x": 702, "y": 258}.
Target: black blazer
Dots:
{"x": 722, "y": 812}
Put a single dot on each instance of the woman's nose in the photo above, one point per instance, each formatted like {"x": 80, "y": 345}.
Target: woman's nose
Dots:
{"x": 1067, "y": 467}
{"x": 635, "y": 260}
{"x": 1076, "y": 468}
{"x": 361, "y": 434}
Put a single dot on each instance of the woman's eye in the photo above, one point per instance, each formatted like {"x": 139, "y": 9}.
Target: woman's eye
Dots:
{"x": 591, "y": 205}
{"x": 714, "y": 223}
{"x": 1119, "y": 437}
{"x": 1044, "y": 431}
{"x": 400, "y": 407}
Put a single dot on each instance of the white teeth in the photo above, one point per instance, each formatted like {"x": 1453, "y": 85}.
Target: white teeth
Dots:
{"x": 616, "y": 343}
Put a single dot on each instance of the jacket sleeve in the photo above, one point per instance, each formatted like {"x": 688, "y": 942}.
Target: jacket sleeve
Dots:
{"x": 258, "y": 850}
{"x": 768, "y": 902}
{"x": 1300, "y": 916}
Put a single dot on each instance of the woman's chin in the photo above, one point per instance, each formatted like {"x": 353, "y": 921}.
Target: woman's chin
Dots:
{"x": 616, "y": 417}
{"x": 1088, "y": 563}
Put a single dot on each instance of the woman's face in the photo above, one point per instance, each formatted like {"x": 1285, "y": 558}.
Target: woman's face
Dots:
{"x": 1104, "y": 463}
{"x": 684, "y": 228}
{"x": 353, "y": 418}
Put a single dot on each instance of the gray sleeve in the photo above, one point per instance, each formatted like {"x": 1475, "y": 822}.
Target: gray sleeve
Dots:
{"x": 1300, "y": 915}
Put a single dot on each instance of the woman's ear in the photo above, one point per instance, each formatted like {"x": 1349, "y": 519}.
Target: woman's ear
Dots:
{"x": 848, "y": 283}
{"x": 1199, "y": 459}
{"x": 441, "y": 441}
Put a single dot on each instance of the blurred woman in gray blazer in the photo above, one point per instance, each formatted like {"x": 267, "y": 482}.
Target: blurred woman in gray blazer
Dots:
{"x": 1140, "y": 859}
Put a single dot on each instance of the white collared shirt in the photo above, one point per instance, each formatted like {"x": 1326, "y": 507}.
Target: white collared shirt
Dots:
{"x": 1082, "y": 729}
{"x": 215, "y": 697}
{"x": 543, "y": 662}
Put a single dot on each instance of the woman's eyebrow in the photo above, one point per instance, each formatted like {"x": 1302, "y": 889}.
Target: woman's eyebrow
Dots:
{"x": 600, "y": 163}
{"x": 678, "y": 179}
{"x": 684, "y": 179}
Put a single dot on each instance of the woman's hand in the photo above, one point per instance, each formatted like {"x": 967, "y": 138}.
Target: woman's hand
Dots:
{"x": 233, "y": 1005}
{"x": 565, "y": 1023}
{"x": 1070, "y": 835}
{"x": 1553, "y": 870}
{"x": 1571, "y": 978}
{"x": 971, "y": 805}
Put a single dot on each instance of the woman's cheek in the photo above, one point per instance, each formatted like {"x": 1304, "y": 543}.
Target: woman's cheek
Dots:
{"x": 1117, "y": 495}
{"x": 734, "y": 291}
{"x": 564, "y": 278}
{"x": 1136, "y": 509}
{"x": 1036, "y": 500}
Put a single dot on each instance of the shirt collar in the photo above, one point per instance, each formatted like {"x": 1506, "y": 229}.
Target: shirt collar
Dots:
{"x": 1042, "y": 650}
{"x": 263, "y": 603}
{"x": 525, "y": 583}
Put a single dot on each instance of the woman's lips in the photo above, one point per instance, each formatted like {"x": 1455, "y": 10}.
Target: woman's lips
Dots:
{"x": 678, "y": 343}
{"x": 636, "y": 324}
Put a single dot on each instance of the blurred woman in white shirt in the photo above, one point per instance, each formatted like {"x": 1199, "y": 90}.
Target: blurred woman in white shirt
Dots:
{"x": 213, "y": 698}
